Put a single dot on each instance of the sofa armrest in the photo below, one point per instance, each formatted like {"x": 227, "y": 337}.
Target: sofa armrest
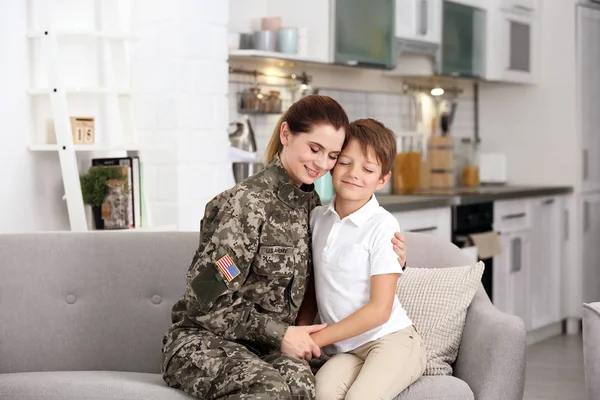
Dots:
{"x": 491, "y": 357}
{"x": 591, "y": 348}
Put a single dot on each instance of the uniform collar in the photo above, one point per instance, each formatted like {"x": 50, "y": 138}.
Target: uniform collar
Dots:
{"x": 361, "y": 215}
{"x": 287, "y": 191}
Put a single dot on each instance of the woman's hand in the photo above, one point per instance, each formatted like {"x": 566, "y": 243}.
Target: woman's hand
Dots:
{"x": 399, "y": 248}
{"x": 298, "y": 343}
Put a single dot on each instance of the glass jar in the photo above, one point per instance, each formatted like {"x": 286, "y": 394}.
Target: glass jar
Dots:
{"x": 470, "y": 172}
{"x": 273, "y": 102}
{"x": 251, "y": 100}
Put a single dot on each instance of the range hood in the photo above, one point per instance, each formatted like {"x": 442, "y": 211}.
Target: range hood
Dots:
{"x": 416, "y": 58}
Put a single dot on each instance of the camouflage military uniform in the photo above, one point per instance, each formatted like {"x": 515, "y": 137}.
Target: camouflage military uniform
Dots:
{"x": 228, "y": 326}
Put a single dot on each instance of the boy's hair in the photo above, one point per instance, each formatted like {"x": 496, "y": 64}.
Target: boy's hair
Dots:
{"x": 372, "y": 133}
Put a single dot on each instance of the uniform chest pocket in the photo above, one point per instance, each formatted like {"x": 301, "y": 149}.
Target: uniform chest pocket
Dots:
{"x": 352, "y": 258}
{"x": 274, "y": 267}
{"x": 275, "y": 261}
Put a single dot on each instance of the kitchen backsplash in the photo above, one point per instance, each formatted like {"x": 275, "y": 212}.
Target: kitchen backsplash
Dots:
{"x": 389, "y": 108}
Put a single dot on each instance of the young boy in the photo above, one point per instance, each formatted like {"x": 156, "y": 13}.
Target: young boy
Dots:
{"x": 378, "y": 352}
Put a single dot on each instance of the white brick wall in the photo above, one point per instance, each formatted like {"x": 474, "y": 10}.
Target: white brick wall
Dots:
{"x": 179, "y": 69}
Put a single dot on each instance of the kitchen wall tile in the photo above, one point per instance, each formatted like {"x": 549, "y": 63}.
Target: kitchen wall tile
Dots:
{"x": 146, "y": 45}
{"x": 201, "y": 111}
{"x": 463, "y": 125}
{"x": 163, "y": 213}
{"x": 180, "y": 74}
{"x": 202, "y": 41}
{"x": 168, "y": 112}
{"x": 201, "y": 147}
{"x": 221, "y": 112}
{"x": 166, "y": 156}
{"x": 154, "y": 10}
{"x": 203, "y": 77}
{"x": 209, "y": 12}
{"x": 168, "y": 183}
{"x": 190, "y": 215}
{"x": 145, "y": 111}
{"x": 150, "y": 183}
{"x": 156, "y": 76}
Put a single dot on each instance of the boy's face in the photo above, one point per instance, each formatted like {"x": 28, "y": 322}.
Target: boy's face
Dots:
{"x": 357, "y": 174}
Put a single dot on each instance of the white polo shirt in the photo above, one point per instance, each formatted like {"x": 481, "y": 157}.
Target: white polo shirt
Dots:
{"x": 346, "y": 253}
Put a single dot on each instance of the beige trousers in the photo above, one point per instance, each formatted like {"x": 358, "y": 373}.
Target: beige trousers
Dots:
{"x": 380, "y": 369}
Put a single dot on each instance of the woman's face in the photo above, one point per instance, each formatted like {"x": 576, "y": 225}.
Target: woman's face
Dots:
{"x": 308, "y": 156}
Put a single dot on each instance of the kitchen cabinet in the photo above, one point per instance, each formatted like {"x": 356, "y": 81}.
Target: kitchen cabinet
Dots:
{"x": 510, "y": 275}
{"x": 590, "y": 98}
{"x": 591, "y": 247}
{"x": 463, "y": 40}
{"x": 419, "y": 20}
{"x": 512, "y": 41}
{"x": 547, "y": 244}
{"x": 528, "y": 279}
{"x": 363, "y": 33}
{"x": 433, "y": 221}
{"x": 348, "y": 32}
{"x": 512, "y": 221}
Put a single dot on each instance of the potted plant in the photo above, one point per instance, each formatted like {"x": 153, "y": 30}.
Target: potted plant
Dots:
{"x": 94, "y": 188}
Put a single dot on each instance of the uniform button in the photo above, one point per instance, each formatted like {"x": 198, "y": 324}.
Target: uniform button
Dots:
{"x": 156, "y": 299}
{"x": 71, "y": 299}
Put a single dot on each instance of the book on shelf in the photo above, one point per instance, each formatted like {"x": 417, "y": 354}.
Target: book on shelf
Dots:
{"x": 134, "y": 184}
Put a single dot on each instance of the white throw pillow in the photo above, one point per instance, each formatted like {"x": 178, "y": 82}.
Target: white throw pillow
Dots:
{"x": 436, "y": 300}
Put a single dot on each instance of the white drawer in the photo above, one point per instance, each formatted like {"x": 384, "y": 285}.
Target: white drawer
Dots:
{"x": 435, "y": 221}
{"x": 512, "y": 215}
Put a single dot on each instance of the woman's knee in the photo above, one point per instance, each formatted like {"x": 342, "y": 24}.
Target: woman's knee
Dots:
{"x": 270, "y": 383}
{"x": 296, "y": 373}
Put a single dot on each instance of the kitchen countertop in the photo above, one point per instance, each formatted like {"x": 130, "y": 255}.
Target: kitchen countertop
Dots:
{"x": 461, "y": 196}
{"x": 396, "y": 202}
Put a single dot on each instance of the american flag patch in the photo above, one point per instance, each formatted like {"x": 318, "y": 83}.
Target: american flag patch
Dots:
{"x": 227, "y": 267}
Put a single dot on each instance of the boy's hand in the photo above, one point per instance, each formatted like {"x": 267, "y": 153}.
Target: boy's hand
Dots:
{"x": 399, "y": 248}
{"x": 298, "y": 343}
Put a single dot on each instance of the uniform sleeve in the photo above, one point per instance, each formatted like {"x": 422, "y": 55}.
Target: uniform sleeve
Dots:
{"x": 382, "y": 258}
{"x": 230, "y": 242}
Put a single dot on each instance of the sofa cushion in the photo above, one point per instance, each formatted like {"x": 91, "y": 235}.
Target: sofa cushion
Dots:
{"x": 437, "y": 387}
{"x": 436, "y": 300}
{"x": 96, "y": 385}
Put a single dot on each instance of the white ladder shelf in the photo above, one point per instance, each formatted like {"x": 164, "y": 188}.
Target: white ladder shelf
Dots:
{"x": 113, "y": 41}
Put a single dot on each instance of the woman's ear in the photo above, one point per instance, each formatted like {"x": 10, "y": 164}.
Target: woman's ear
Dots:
{"x": 383, "y": 180}
{"x": 284, "y": 133}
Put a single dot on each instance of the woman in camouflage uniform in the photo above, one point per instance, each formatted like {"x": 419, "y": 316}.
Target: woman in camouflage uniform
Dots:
{"x": 233, "y": 333}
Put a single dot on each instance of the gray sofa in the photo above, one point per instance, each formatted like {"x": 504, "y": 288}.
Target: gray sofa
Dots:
{"x": 82, "y": 316}
{"x": 591, "y": 349}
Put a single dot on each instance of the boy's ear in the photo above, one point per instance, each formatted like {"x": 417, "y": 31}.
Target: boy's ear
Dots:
{"x": 383, "y": 180}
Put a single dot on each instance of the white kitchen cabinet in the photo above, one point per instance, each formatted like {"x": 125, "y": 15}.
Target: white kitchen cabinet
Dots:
{"x": 590, "y": 98}
{"x": 547, "y": 244}
{"x": 528, "y": 278}
{"x": 433, "y": 221}
{"x": 510, "y": 275}
{"x": 591, "y": 247}
{"x": 512, "y": 220}
{"x": 419, "y": 20}
{"x": 512, "y": 42}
